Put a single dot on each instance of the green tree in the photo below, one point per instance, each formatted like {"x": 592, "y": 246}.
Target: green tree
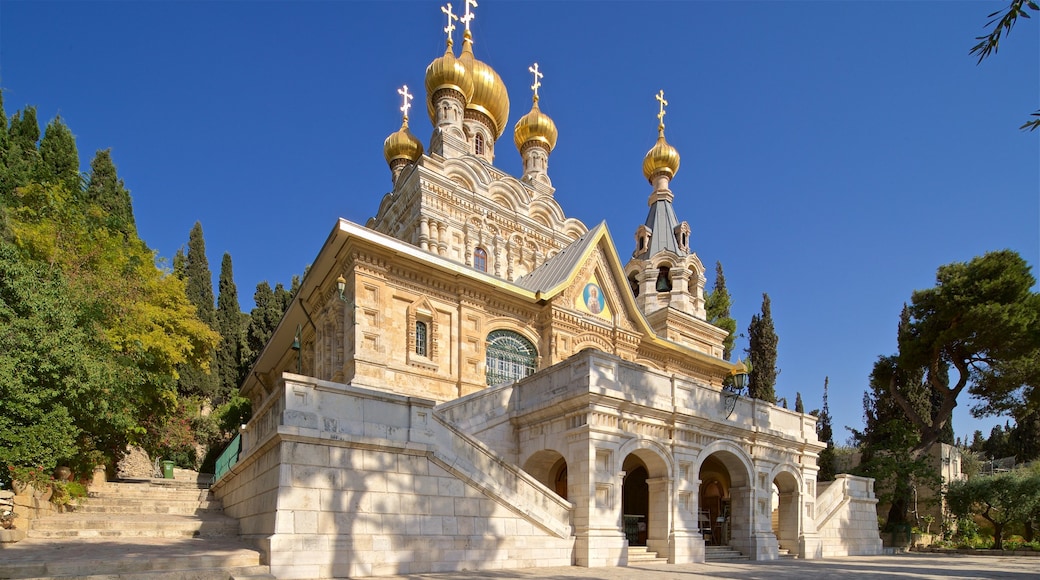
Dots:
{"x": 1001, "y": 22}
{"x": 106, "y": 190}
{"x": 799, "y": 407}
{"x": 982, "y": 322}
{"x": 202, "y": 380}
{"x": 825, "y": 432}
{"x": 264, "y": 319}
{"x": 21, "y": 157}
{"x": 889, "y": 443}
{"x": 1024, "y": 439}
{"x": 232, "y": 333}
{"x": 998, "y": 445}
{"x": 59, "y": 160}
{"x": 762, "y": 343}
{"x": 717, "y": 307}
{"x": 1001, "y": 499}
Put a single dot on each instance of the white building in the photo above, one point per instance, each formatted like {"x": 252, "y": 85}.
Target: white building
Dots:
{"x": 474, "y": 381}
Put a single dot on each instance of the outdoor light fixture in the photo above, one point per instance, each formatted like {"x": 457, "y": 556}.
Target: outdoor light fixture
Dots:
{"x": 731, "y": 392}
{"x": 296, "y": 347}
{"x": 341, "y": 284}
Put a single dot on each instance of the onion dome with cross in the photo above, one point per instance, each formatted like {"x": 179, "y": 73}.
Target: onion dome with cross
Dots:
{"x": 662, "y": 159}
{"x": 447, "y": 73}
{"x": 535, "y": 125}
{"x": 402, "y": 147}
{"x": 490, "y": 98}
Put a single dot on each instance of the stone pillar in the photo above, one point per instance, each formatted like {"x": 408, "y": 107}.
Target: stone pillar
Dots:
{"x": 424, "y": 233}
{"x": 660, "y": 522}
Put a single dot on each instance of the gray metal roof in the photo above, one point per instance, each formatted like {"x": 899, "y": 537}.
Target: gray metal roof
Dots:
{"x": 556, "y": 269}
{"x": 662, "y": 223}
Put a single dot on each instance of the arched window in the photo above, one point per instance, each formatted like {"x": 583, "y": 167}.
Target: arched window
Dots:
{"x": 510, "y": 357}
{"x": 478, "y": 144}
{"x": 480, "y": 259}
{"x": 633, "y": 283}
{"x": 420, "y": 338}
{"x": 664, "y": 281}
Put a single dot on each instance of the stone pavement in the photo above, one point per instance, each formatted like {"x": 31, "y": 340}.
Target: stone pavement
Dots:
{"x": 912, "y": 566}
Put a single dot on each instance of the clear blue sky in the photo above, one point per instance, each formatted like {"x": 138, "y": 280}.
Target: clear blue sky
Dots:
{"x": 833, "y": 153}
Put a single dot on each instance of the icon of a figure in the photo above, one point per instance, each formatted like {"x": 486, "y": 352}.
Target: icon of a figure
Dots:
{"x": 593, "y": 299}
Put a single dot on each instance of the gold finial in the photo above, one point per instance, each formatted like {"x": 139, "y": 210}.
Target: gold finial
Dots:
{"x": 451, "y": 16}
{"x": 406, "y": 99}
{"x": 660, "y": 115}
{"x": 537, "y": 75}
{"x": 469, "y": 16}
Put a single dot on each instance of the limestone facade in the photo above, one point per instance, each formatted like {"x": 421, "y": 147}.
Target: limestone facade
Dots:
{"x": 474, "y": 380}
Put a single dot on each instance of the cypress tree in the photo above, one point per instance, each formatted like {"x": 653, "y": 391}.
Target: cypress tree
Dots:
{"x": 799, "y": 407}
{"x": 59, "y": 159}
{"x": 717, "y": 308}
{"x": 762, "y": 342}
{"x": 107, "y": 190}
{"x": 263, "y": 318}
{"x": 229, "y": 322}
{"x": 825, "y": 432}
{"x": 198, "y": 282}
{"x": 22, "y": 157}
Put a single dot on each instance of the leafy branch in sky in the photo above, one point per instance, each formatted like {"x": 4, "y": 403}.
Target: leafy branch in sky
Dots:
{"x": 1002, "y": 21}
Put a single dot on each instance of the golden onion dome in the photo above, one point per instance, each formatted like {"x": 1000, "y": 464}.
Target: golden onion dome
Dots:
{"x": 402, "y": 144}
{"x": 489, "y": 92}
{"x": 446, "y": 72}
{"x": 535, "y": 126}
{"x": 661, "y": 158}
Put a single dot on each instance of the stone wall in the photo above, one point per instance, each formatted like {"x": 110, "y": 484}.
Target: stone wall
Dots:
{"x": 848, "y": 527}
{"x": 354, "y": 482}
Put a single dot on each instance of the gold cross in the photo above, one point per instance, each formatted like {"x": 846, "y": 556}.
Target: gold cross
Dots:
{"x": 660, "y": 115}
{"x": 469, "y": 16}
{"x": 406, "y": 100}
{"x": 451, "y": 16}
{"x": 537, "y": 75}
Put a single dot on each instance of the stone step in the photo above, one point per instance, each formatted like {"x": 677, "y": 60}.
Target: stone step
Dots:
{"x": 641, "y": 555}
{"x": 786, "y": 554}
{"x": 76, "y": 525}
{"x": 722, "y": 554}
{"x": 147, "y": 559}
{"x": 145, "y": 506}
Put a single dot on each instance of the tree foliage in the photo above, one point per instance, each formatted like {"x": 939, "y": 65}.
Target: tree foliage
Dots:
{"x": 1000, "y": 23}
{"x": 977, "y": 329}
{"x": 762, "y": 343}
{"x": 1000, "y": 499}
{"x": 91, "y": 330}
{"x": 232, "y": 331}
{"x": 825, "y": 432}
{"x": 717, "y": 308}
{"x": 889, "y": 442}
{"x": 200, "y": 380}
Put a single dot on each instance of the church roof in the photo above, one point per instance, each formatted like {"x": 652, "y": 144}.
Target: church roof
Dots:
{"x": 662, "y": 223}
{"x": 557, "y": 270}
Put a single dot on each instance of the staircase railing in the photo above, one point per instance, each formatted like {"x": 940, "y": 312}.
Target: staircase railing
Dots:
{"x": 228, "y": 457}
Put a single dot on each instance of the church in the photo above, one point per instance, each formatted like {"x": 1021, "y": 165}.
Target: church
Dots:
{"x": 472, "y": 380}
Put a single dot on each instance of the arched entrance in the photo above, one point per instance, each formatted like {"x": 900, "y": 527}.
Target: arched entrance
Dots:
{"x": 635, "y": 501}
{"x": 785, "y": 517}
{"x": 550, "y": 468}
{"x": 715, "y": 502}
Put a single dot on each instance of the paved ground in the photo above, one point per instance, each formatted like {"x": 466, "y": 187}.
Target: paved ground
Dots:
{"x": 903, "y": 566}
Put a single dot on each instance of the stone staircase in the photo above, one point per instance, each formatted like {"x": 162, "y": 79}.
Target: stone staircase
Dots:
{"x": 152, "y": 530}
{"x": 641, "y": 555}
{"x": 722, "y": 554}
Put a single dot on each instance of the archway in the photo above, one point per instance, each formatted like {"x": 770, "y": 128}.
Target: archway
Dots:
{"x": 550, "y": 468}
{"x": 715, "y": 502}
{"x": 786, "y": 505}
{"x": 635, "y": 501}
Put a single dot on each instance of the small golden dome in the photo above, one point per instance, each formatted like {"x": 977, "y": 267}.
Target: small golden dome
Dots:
{"x": 489, "y": 92}
{"x": 535, "y": 126}
{"x": 402, "y": 144}
{"x": 661, "y": 158}
{"x": 446, "y": 72}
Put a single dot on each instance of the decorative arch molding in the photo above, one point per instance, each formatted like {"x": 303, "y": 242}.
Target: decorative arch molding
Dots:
{"x": 732, "y": 456}
{"x": 787, "y": 469}
{"x": 656, "y": 456}
{"x": 574, "y": 229}
{"x": 511, "y": 194}
{"x": 469, "y": 170}
{"x": 549, "y": 208}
